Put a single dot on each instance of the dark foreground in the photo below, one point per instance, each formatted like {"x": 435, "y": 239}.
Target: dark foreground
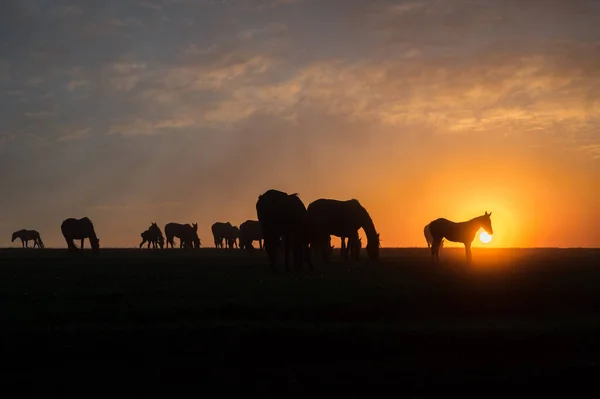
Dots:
{"x": 219, "y": 323}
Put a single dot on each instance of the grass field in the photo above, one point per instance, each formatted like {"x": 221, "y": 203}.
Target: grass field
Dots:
{"x": 175, "y": 321}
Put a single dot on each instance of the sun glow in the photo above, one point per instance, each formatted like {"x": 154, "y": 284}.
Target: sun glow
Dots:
{"x": 484, "y": 237}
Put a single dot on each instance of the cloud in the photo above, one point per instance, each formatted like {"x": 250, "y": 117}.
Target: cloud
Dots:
{"x": 270, "y": 29}
{"x": 74, "y": 134}
{"x": 76, "y": 84}
{"x": 592, "y": 149}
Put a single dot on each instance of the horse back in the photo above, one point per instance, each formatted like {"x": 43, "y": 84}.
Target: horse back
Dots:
{"x": 340, "y": 218}
{"x": 275, "y": 208}
{"x": 77, "y": 228}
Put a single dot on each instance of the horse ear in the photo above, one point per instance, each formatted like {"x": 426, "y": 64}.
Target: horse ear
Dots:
{"x": 490, "y": 214}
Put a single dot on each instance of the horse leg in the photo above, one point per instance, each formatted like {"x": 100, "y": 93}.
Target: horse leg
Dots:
{"x": 435, "y": 247}
{"x": 468, "y": 252}
{"x": 271, "y": 248}
{"x": 308, "y": 257}
{"x": 345, "y": 248}
{"x": 71, "y": 245}
{"x": 287, "y": 250}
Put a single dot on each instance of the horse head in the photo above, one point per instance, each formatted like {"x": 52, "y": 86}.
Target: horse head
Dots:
{"x": 486, "y": 223}
{"x": 95, "y": 244}
{"x": 14, "y": 236}
{"x": 195, "y": 226}
{"x": 373, "y": 247}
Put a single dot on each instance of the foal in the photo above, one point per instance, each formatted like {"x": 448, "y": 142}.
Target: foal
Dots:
{"x": 458, "y": 232}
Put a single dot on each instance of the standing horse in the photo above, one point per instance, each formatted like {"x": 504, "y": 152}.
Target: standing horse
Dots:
{"x": 234, "y": 235}
{"x": 26, "y": 235}
{"x": 187, "y": 234}
{"x": 429, "y": 238}
{"x": 283, "y": 215}
{"x": 326, "y": 217}
{"x": 458, "y": 232}
{"x": 153, "y": 236}
{"x": 224, "y": 231}
{"x": 79, "y": 229}
{"x": 250, "y": 231}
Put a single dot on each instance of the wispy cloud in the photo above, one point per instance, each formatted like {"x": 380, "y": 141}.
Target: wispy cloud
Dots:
{"x": 270, "y": 29}
{"x": 593, "y": 149}
{"x": 76, "y": 84}
{"x": 74, "y": 134}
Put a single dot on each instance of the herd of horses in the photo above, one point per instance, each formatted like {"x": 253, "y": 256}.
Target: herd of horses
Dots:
{"x": 285, "y": 227}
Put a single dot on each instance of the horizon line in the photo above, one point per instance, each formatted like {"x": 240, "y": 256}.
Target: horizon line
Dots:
{"x": 227, "y": 249}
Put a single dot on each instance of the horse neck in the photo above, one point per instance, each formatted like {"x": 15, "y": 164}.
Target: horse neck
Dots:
{"x": 367, "y": 225}
{"x": 474, "y": 224}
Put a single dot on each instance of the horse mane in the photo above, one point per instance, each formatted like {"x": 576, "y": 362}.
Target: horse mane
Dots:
{"x": 293, "y": 195}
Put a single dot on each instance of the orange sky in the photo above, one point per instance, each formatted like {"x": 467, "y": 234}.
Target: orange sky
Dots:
{"x": 160, "y": 111}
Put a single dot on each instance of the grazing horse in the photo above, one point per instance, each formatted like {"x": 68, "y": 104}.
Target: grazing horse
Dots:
{"x": 187, "y": 234}
{"x": 283, "y": 215}
{"x": 26, "y": 235}
{"x": 250, "y": 231}
{"x": 153, "y": 236}
{"x": 79, "y": 229}
{"x": 225, "y": 231}
{"x": 429, "y": 238}
{"x": 327, "y": 217}
{"x": 458, "y": 232}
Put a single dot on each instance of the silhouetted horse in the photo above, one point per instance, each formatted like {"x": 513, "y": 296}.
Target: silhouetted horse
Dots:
{"x": 283, "y": 215}
{"x": 224, "y": 231}
{"x": 250, "y": 231}
{"x": 342, "y": 219}
{"x": 153, "y": 236}
{"x": 187, "y": 234}
{"x": 79, "y": 229}
{"x": 429, "y": 238}
{"x": 458, "y": 232}
{"x": 234, "y": 235}
{"x": 26, "y": 235}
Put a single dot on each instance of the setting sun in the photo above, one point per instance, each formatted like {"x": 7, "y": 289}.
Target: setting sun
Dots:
{"x": 484, "y": 237}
